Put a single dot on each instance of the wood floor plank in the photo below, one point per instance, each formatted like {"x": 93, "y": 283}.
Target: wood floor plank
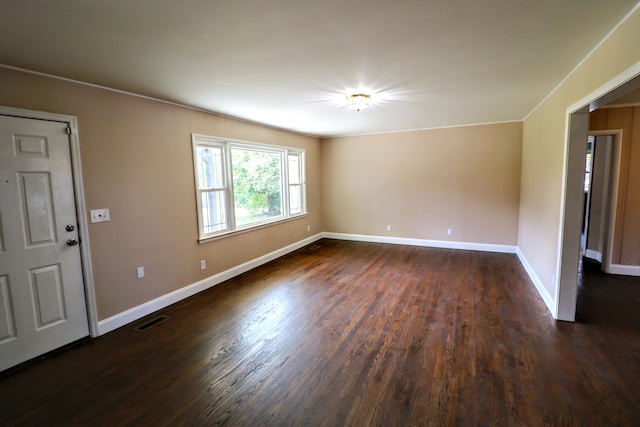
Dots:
{"x": 353, "y": 334}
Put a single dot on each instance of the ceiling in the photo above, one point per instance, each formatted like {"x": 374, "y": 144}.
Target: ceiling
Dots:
{"x": 290, "y": 63}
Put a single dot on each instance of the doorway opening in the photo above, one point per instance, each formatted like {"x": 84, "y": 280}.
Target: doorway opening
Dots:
{"x": 573, "y": 188}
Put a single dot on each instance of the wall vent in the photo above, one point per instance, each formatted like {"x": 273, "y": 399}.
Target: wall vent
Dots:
{"x": 149, "y": 323}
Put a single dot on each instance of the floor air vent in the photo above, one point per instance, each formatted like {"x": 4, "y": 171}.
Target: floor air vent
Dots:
{"x": 153, "y": 322}
{"x": 314, "y": 247}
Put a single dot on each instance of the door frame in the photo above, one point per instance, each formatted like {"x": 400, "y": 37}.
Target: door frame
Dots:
{"x": 587, "y": 206}
{"x": 78, "y": 191}
{"x": 575, "y": 147}
{"x": 613, "y": 184}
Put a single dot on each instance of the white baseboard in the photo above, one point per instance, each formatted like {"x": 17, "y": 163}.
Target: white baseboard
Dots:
{"x": 508, "y": 249}
{"x": 626, "y": 270}
{"x": 591, "y": 254}
{"x": 135, "y": 313}
{"x": 551, "y": 305}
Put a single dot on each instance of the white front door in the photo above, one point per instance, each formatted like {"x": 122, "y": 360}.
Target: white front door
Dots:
{"x": 42, "y": 301}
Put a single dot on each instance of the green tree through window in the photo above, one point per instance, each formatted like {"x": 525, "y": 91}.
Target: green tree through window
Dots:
{"x": 257, "y": 185}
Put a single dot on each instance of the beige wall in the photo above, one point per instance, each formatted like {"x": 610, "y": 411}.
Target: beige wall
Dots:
{"x": 626, "y": 243}
{"x": 423, "y": 182}
{"x": 137, "y": 161}
{"x": 544, "y": 138}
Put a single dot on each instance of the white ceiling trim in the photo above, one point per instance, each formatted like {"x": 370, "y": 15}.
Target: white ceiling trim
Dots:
{"x": 150, "y": 98}
{"x": 175, "y": 104}
{"x": 575, "y": 69}
{"x": 425, "y": 129}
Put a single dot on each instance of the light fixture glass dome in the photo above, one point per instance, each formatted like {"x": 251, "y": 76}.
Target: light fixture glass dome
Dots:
{"x": 359, "y": 101}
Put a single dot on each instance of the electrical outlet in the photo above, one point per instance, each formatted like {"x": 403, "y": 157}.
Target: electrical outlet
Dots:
{"x": 388, "y": 227}
{"x": 449, "y": 231}
{"x": 203, "y": 264}
{"x": 308, "y": 228}
{"x": 140, "y": 272}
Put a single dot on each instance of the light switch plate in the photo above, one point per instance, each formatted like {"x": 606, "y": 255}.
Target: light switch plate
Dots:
{"x": 99, "y": 215}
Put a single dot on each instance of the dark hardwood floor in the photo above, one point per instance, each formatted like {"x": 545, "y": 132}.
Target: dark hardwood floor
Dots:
{"x": 354, "y": 334}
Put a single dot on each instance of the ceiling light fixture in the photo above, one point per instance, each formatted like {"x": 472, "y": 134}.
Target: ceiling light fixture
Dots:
{"x": 359, "y": 101}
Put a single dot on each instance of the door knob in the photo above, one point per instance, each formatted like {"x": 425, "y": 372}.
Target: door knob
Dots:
{"x": 69, "y": 228}
{"x": 72, "y": 242}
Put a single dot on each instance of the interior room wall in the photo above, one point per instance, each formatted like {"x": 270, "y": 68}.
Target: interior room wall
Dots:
{"x": 424, "y": 182}
{"x": 544, "y": 139}
{"x": 626, "y": 233}
{"x": 137, "y": 161}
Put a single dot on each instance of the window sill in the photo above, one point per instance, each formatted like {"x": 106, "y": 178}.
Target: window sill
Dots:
{"x": 249, "y": 229}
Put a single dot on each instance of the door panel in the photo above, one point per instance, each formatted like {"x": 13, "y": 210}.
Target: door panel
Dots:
{"x": 46, "y": 291}
{"x": 35, "y": 146}
{"x": 37, "y": 208}
{"x": 1, "y": 236}
{"x": 42, "y": 301}
{"x": 7, "y": 329}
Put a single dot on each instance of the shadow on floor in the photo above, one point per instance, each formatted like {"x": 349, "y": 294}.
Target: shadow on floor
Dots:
{"x": 607, "y": 300}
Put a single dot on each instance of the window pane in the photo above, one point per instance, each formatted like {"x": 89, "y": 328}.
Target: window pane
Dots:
{"x": 257, "y": 185}
{"x": 295, "y": 199}
{"x": 210, "y": 167}
{"x": 213, "y": 212}
{"x": 294, "y": 169}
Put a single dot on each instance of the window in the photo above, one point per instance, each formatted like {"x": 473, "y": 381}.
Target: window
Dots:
{"x": 241, "y": 185}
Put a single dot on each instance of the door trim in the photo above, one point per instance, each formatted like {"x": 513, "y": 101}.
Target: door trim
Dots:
{"x": 613, "y": 186}
{"x": 568, "y": 240}
{"x": 78, "y": 191}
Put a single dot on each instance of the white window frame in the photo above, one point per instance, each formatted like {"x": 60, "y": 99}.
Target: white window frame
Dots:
{"x": 227, "y": 146}
{"x": 302, "y": 184}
